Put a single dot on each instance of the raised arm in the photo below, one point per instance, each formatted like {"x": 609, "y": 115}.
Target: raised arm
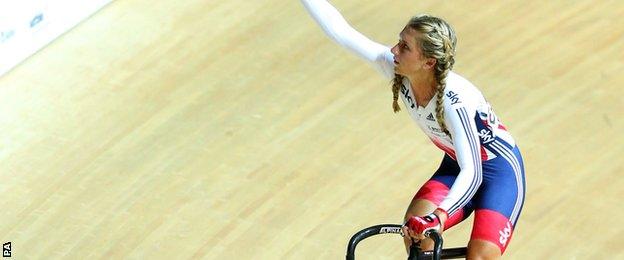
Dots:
{"x": 337, "y": 28}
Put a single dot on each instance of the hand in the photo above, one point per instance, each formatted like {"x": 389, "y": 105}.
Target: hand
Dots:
{"x": 418, "y": 226}
{"x": 410, "y": 235}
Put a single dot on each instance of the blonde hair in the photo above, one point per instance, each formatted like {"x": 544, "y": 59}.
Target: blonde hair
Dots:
{"x": 438, "y": 41}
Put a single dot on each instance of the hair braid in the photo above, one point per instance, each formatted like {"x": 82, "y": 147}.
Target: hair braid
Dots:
{"x": 443, "y": 67}
{"x": 396, "y": 86}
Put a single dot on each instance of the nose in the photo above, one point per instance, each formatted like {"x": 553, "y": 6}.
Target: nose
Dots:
{"x": 395, "y": 50}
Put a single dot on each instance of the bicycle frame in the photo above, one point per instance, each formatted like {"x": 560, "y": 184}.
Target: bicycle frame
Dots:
{"x": 415, "y": 252}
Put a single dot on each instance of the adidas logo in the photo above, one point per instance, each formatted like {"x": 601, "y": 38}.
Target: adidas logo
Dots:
{"x": 430, "y": 117}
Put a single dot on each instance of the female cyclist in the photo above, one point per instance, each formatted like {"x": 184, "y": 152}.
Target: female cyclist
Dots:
{"x": 482, "y": 169}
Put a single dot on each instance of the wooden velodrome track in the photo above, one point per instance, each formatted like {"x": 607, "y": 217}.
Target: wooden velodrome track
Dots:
{"x": 238, "y": 130}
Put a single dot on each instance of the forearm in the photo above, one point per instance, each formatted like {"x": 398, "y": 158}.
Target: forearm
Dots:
{"x": 442, "y": 215}
{"x": 468, "y": 154}
{"x": 339, "y": 30}
{"x": 463, "y": 189}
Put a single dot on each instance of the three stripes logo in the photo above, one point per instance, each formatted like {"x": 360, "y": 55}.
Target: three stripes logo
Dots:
{"x": 6, "y": 249}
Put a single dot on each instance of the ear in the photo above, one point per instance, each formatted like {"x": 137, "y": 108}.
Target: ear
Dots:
{"x": 430, "y": 63}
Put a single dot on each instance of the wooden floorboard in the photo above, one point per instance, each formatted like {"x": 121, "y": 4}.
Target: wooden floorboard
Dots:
{"x": 237, "y": 129}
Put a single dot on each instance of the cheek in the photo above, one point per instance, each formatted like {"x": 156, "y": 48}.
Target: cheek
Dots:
{"x": 410, "y": 61}
{"x": 417, "y": 60}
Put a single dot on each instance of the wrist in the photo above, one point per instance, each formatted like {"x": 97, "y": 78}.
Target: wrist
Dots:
{"x": 442, "y": 215}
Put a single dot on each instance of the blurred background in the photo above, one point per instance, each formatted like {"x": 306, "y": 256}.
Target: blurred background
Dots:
{"x": 237, "y": 129}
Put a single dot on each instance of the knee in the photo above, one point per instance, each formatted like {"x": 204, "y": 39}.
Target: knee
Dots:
{"x": 420, "y": 207}
{"x": 480, "y": 256}
{"x": 482, "y": 250}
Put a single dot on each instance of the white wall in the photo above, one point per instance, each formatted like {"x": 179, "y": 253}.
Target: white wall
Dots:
{"x": 28, "y": 25}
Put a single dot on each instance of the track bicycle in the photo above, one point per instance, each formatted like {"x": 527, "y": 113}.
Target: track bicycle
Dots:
{"x": 415, "y": 253}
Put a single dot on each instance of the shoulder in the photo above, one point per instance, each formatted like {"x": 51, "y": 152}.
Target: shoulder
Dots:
{"x": 459, "y": 92}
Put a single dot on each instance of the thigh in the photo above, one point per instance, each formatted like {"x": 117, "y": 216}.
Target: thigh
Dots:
{"x": 499, "y": 201}
{"x": 437, "y": 187}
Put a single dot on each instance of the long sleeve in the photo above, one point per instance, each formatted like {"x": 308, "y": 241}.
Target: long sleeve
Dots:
{"x": 460, "y": 123}
{"x": 337, "y": 28}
